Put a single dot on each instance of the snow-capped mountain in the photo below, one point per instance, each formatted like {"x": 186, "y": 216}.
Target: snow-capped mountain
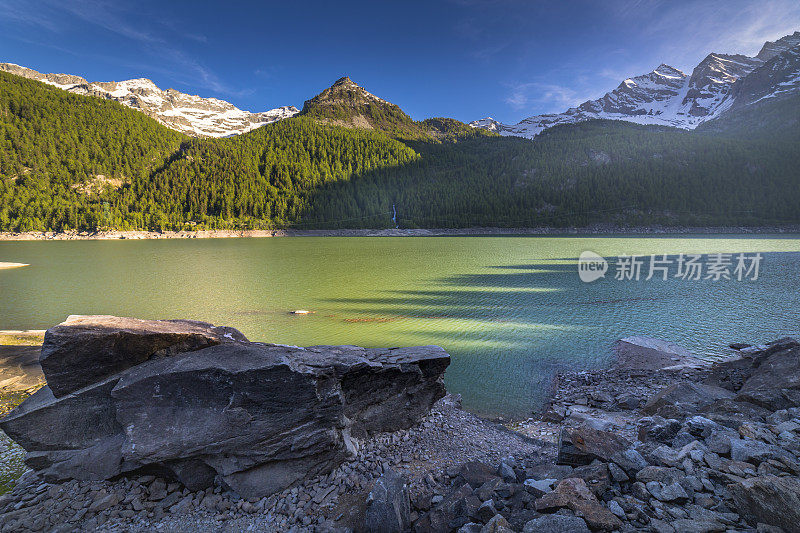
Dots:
{"x": 667, "y": 96}
{"x": 186, "y": 113}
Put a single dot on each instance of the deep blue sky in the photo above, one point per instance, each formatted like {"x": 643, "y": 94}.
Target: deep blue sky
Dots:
{"x": 460, "y": 58}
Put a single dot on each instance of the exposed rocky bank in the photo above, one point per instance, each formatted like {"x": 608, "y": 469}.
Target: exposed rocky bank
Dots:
{"x": 658, "y": 442}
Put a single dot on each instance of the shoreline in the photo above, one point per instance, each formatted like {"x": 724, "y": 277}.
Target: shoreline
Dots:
{"x": 602, "y": 229}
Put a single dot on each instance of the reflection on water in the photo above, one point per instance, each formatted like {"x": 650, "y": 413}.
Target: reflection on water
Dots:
{"x": 510, "y": 310}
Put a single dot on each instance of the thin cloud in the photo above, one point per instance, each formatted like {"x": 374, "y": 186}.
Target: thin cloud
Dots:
{"x": 115, "y": 19}
{"x": 555, "y": 98}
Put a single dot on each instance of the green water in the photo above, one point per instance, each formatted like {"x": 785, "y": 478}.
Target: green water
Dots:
{"x": 510, "y": 310}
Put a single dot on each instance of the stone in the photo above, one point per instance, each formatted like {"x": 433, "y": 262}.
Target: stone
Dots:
{"x": 476, "y": 473}
{"x": 616, "y": 508}
{"x": 647, "y": 353}
{"x": 388, "y": 505}
{"x": 542, "y": 486}
{"x": 671, "y": 492}
{"x": 617, "y": 473}
{"x": 556, "y": 523}
{"x": 486, "y": 511}
{"x": 554, "y": 413}
{"x": 498, "y": 524}
{"x": 752, "y": 451}
{"x": 260, "y": 417}
{"x": 630, "y": 460}
{"x": 84, "y": 350}
{"x": 442, "y": 515}
{"x": 658, "y": 429}
{"x": 732, "y": 412}
{"x": 582, "y": 445}
{"x": 685, "y": 525}
{"x": 768, "y": 499}
{"x": 574, "y": 494}
{"x": 506, "y": 473}
{"x": 683, "y": 399}
{"x": 596, "y": 476}
{"x": 628, "y": 401}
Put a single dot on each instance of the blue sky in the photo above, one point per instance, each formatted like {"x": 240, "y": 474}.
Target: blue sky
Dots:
{"x": 459, "y": 58}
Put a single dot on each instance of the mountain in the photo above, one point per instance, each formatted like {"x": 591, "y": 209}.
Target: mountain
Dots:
{"x": 189, "y": 114}
{"x": 352, "y": 159}
{"x": 347, "y": 104}
{"x": 667, "y": 96}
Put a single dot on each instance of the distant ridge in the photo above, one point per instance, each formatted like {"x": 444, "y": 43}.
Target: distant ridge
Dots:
{"x": 668, "y": 97}
{"x": 189, "y": 114}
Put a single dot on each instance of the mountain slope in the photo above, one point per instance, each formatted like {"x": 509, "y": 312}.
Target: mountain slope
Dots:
{"x": 63, "y": 155}
{"x": 185, "y": 113}
{"x": 347, "y": 104}
{"x": 77, "y": 162}
{"x": 665, "y": 96}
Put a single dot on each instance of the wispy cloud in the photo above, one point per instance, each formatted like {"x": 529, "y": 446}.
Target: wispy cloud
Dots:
{"x": 690, "y": 30}
{"x": 551, "y": 96}
{"x": 155, "y": 40}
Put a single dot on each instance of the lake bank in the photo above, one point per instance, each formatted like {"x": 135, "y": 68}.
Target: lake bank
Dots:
{"x": 600, "y": 229}
{"x": 636, "y": 446}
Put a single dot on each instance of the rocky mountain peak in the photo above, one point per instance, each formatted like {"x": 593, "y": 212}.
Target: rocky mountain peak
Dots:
{"x": 774, "y": 48}
{"x": 667, "y": 96}
{"x": 189, "y": 114}
{"x": 668, "y": 71}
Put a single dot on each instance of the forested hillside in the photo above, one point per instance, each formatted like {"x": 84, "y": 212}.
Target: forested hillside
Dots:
{"x": 63, "y": 157}
{"x": 77, "y": 162}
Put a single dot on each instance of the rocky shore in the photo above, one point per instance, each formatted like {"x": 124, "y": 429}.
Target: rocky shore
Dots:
{"x": 659, "y": 441}
{"x": 597, "y": 229}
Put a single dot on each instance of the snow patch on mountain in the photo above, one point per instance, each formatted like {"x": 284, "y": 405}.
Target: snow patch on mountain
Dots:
{"x": 666, "y": 96}
{"x": 189, "y": 114}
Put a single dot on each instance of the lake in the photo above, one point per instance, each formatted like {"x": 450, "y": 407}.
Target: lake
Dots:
{"x": 510, "y": 310}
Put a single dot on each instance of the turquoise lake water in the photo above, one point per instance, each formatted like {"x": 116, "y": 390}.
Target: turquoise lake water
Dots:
{"x": 510, "y": 310}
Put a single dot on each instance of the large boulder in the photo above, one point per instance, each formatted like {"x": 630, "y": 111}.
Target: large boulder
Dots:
{"x": 582, "y": 445}
{"x": 775, "y": 382}
{"x": 573, "y": 493}
{"x": 85, "y": 349}
{"x": 683, "y": 399}
{"x": 388, "y": 505}
{"x": 258, "y": 417}
{"x": 647, "y": 353}
{"x": 769, "y": 500}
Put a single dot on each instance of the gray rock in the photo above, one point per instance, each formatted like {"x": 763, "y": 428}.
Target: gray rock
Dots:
{"x": 388, "y": 505}
{"x": 86, "y": 349}
{"x": 627, "y": 400}
{"x": 498, "y": 524}
{"x": 770, "y": 500}
{"x": 555, "y": 523}
{"x": 657, "y": 428}
{"x": 752, "y": 451}
{"x": 615, "y": 508}
{"x": 617, "y": 473}
{"x": 630, "y": 460}
{"x": 684, "y": 398}
{"x": 506, "y": 473}
{"x": 582, "y": 445}
{"x": 261, "y": 417}
{"x": 685, "y": 525}
{"x": 543, "y": 485}
{"x": 486, "y": 511}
